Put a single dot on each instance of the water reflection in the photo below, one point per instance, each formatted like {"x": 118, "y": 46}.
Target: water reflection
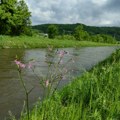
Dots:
{"x": 8, "y": 82}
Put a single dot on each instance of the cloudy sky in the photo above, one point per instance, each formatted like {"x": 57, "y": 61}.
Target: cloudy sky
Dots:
{"x": 89, "y": 12}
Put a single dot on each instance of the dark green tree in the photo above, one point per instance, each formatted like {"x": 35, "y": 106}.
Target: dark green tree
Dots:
{"x": 14, "y": 17}
{"x": 52, "y": 31}
{"x": 80, "y": 34}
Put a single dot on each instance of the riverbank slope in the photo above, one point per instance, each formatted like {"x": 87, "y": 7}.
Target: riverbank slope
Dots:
{"x": 95, "y": 95}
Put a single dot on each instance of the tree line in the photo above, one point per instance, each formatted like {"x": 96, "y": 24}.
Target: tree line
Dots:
{"x": 79, "y": 34}
{"x": 68, "y": 29}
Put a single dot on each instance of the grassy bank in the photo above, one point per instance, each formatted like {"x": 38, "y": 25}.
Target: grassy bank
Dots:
{"x": 94, "y": 96}
{"x": 41, "y": 42}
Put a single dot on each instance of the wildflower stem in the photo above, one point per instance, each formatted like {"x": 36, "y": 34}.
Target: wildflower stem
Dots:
{"x": 26, "y": 94}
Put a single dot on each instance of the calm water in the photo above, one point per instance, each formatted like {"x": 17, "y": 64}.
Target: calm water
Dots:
{"x": 11, "y": 92}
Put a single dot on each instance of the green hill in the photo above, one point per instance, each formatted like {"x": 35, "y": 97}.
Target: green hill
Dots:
{"x": 92, "y": 30}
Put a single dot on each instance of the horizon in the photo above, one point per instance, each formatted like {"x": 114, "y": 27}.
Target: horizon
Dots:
{"x": 72, "y": 24}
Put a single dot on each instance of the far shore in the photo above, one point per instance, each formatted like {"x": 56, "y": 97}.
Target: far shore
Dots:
{"x": 42, "y": 42}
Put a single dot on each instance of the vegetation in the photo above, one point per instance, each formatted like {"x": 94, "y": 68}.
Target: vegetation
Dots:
{"x": 80, "y": 34}
{"x": 15, "y": 21}
{"x": 92, "y": 30}
{"x": 56, "y": 71}
{"x": 52, "y": 31}
{"x": 103, "y": 38}
{"x": 94, "y": 96}
{"x": 14, "y": 18}
{"x": 43, "y": 42}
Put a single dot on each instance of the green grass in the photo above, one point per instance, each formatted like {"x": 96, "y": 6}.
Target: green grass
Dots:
{"x": 94, "y": 96}
{"x": 41, "y": 42}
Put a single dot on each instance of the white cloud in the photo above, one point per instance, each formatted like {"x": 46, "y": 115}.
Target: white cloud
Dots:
{"x": 99, "y": 2}
{"x": 90, "y": 12}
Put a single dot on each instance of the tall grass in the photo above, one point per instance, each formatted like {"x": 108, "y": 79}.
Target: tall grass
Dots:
{"x": 42, "y": 42}
{"x": 94, "y": 96}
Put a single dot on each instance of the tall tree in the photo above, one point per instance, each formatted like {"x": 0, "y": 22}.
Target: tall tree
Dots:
{"x": 52, "y": 31}
{"x": 80, "y": 34}
{"x": 14, "y": 17}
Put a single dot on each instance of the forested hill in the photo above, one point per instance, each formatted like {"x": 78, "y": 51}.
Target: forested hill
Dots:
{"x": 69, "y": 28}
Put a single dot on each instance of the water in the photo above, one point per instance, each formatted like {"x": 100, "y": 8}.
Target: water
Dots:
{"x": 11, "y": 93}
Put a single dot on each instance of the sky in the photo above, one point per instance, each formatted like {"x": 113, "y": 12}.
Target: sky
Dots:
{"x": 88, "y": 12}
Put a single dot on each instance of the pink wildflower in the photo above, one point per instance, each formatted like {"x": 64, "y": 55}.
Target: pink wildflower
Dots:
{"x": 21, "y": 65}
{"x": 61, "y": 53}
{"x": 17, "y": 62}
{"x": 46, "y": 83}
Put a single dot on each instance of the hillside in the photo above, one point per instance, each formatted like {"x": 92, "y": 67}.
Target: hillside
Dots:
{"x": 69, "y": 28}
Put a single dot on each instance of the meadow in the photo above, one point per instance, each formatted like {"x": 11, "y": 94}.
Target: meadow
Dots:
{"x": 93, "y": 96}
{"x": 43, "y": 42}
